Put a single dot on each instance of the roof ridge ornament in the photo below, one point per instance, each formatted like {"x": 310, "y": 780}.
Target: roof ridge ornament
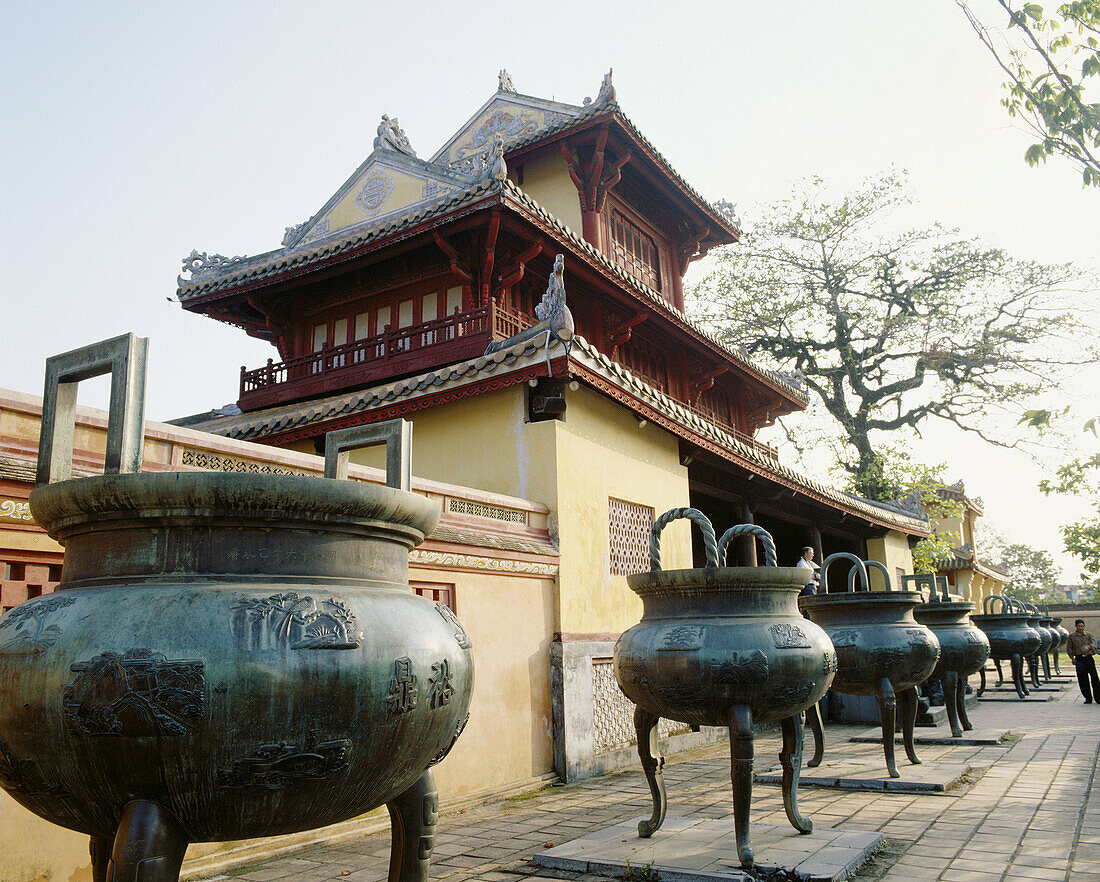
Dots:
{"x": 392, "y": 137}
{"x": 554, "y": 318}
{"x": 607, "y": 90}
{"x": 494, "y": 160}
{"x": 292, "y": 232}
{"x": 199, "y": 262}
{"x": 504, "y": 82}
{"x": 728, "y": 210}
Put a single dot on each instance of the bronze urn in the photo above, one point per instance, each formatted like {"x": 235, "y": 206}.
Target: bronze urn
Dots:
{"x": 1010, "y": 637}
{"x": 227, "y": 655}
{"x": 723, "y": 646}
{"x": 1063, "y": 636}
{"x": 882, "y": 650}
{"x": 964, "y": 649}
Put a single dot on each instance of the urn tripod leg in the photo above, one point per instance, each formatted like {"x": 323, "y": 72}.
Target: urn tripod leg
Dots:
{"x": 981, "y": 683}
{"x": 148, "y": 846}
{"x": 791, "y": 759}
{"x": 1000, "y": 675}
{"x": 649, "y": 751}
{"x": 960, "y": 704}
{"x": 1046, "y": 667}
{"x": 950, "y": 684}
{"x": 907, "y": 698}
{"x": 741, "y": 755}
{"x": 99, "y": 847}
{"x": 413, "y": 818}
{"x": 1057, "y": 667}
{"x": 1033, "y": 670}
{"x": 886, "y": 709}
{"x": 1018, "y": 675}
{"x": 814, "y": 718}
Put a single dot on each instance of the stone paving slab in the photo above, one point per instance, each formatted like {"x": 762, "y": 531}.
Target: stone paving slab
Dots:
{"x": 973, "y": 738}
{"x": 705, "y": 850}
{"x": 870, "y": 774}
{"x": 1010, "y": 695}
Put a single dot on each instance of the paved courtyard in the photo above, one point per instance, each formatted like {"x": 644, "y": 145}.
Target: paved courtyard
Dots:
{"x": 1025, "y": 810}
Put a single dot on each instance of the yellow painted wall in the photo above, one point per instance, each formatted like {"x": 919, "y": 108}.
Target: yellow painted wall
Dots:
{"x": 603, "y": 453}
{"x": 32, "y": 850}
{"x": 510, "y": 623}
{"x": 892, "y": 550}
{"x": 572, "y": 466}
{"x": 481, "y": 442}
{"x": 546, "y": 180}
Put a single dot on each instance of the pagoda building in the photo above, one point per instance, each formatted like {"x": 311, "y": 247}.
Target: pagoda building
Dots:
{"x": 519, "y": 297}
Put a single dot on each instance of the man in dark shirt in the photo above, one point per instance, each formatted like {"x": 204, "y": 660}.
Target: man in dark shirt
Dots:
{"x": 1080, "y": 647}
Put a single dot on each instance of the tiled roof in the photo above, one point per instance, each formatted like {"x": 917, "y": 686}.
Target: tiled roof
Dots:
{"x": 279, "y": 420}
{"x": 594, "y": 111}
{"x": 962, "y": 557}
{"x": 223, "y": 276}
{"x": 275, "y": 262}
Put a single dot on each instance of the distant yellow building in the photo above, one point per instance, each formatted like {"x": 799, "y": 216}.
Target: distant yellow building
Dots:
{"x": 968, "y": 574}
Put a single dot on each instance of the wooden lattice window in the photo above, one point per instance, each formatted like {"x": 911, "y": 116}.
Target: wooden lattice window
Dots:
{"x": 635, "y": 251}
{"x": 441, "y": 592}
{"x": 628, "y": 527}
{"x": 646, "y": 362}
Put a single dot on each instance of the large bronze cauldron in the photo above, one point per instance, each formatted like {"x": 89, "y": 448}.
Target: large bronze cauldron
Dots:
{"x": 1010, "y": 637}
{"x": 963, "y": 651}
{"x": 881, "y": 649}
{"x": 723, "y": 646}
{"x": 229, "y": 656}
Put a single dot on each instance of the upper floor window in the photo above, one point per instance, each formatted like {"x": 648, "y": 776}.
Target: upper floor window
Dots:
{"x": 635, "y": 251}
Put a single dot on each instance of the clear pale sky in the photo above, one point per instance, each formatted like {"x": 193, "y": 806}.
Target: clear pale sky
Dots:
{"x": 134, "y": 132}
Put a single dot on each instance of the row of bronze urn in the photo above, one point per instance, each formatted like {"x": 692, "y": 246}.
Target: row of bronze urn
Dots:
{"x": 734, "y": 646}
{"x": 240, "y": 655}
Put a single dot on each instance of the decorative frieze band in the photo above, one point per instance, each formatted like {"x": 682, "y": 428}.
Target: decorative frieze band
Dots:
{"x": 15, "y": 511}
{"x": 485, "y": 510}
{"x": 201, "y": 460}
{"x": 476, "y": 562}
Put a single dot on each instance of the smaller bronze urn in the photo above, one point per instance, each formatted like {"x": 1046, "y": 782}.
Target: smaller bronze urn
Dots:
{"x": 723, "y": 646}
{"x": 963, "y": 651}
{"x": 881, "y": 649}
{"x": 1063, "y": 637}
{"x": 1010, "y": 636}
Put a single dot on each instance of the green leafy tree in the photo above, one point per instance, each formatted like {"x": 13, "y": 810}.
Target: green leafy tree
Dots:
{"x": 1078, "y": 477}
{"x": 1050, "y": 59}
{"x": 897, "y": 478}
{"x": 888, "y": 331}
{"x": 1032, "y": 572}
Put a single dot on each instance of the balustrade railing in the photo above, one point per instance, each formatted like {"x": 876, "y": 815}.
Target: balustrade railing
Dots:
{"x": 391, "y": 343}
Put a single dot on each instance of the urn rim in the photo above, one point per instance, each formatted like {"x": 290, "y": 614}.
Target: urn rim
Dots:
{"x": 197, "y": 496}
{"x": 719, "y": 579}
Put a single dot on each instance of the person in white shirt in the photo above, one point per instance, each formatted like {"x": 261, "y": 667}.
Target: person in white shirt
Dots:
{"x": 806, "y": 562}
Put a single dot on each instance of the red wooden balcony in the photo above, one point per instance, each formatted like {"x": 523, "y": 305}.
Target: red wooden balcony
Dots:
{"x": 397, "y": 352}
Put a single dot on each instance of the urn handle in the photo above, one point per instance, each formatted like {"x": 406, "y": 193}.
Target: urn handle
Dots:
{"x": 124, "y": 358}
{"x": 878, "y": 565}
{"x": 760, "y": 533}
{"x": 395, "y": 434}
{"x": 987, "y": 604}
{"x": 858, "y": 569}
{"x": 692, "y": 514}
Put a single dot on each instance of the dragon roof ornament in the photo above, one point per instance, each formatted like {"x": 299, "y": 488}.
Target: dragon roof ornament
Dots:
{"x": 728, "y": 210}
{"x": 392, "y": 137}
{"x": 504, "y": 82}
{"x": 198, "y": 262}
